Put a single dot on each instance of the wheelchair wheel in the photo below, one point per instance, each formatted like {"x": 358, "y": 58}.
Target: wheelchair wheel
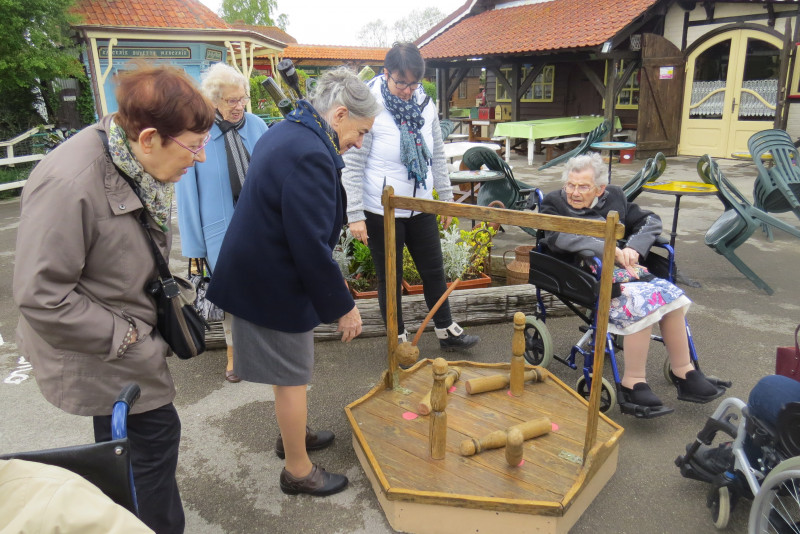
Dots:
{"x": 719, "y": 501}
{"x": 538, "y": 342}
{"x": 608, "y": 393}
{"x": 776, "y": 507}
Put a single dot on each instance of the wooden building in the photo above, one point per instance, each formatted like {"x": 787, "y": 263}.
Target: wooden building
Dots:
{"x": 554, "y": 58}
{"x": 182, "y": 32}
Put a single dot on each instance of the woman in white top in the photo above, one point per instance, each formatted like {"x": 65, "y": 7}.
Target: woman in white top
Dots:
{"x": 405, "y": 149}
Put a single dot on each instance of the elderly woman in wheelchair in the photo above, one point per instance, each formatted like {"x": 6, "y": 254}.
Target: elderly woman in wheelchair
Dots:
{"x": 639, "y": 299}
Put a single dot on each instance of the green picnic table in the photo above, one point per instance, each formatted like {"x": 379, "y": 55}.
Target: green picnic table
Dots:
{"x": 546, "y": 128}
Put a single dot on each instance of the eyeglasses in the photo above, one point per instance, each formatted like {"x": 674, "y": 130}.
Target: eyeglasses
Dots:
{"x": 583, "y": 188}
{"x": 233, "y": 101}
{"x": 194, "y": 151}
{"x": 404, "y": 85}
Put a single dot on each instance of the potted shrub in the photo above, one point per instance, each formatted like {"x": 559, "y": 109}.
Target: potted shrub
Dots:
{"x": 464, "y": 255}
{"x": 355, "y": 262}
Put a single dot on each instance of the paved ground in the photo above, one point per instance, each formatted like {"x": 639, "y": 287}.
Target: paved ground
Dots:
{"x": 229, "y": 473}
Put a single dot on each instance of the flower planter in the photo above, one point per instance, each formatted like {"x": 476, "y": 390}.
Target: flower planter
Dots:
{"x": 482, "y": 281}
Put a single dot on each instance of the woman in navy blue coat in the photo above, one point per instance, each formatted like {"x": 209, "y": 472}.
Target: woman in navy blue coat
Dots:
{"x": 275, "y": 273}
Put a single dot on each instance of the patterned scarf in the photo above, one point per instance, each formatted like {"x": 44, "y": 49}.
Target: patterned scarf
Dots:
{"x": 155, "y": 195}
{"x": 238, "y": 156}
{"x": 305, "y": 114}
{"x": 414, "y": 153}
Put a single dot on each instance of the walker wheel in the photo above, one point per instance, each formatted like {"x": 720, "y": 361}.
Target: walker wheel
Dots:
{"x": 608, "y": 393}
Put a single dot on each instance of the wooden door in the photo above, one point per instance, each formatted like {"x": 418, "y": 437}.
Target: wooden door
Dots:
{"x": 730, "y": 93}
{"x": 660, "y": 96}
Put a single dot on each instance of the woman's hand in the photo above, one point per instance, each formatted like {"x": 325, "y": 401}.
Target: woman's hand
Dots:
{"x": 359, "y": 230}
{"x": 350, "y": 325}
{"x": 446, "y": 220}
{"x": 627, "y": 258}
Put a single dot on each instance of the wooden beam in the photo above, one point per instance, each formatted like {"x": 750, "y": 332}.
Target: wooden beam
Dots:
{"x": 536, "y": 70}
{"x": 780, "y": 101}
{"x": 626, "y": 74}
{"x": 611, "y": 99}
{"x": 461, "y": 73}
{"x": 593, "y": 78}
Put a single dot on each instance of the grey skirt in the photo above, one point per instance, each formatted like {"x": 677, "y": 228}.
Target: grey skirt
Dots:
{"x": 269, "y": 356}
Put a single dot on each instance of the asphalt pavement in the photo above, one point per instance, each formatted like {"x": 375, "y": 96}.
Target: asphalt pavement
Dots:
{"x": 228, "y": 471}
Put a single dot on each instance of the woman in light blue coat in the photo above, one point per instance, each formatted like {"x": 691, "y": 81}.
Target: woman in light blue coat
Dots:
{"x": 208, "y": 192}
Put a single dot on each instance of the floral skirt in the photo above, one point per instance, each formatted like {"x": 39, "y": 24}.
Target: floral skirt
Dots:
{"x": 642, "y": 304}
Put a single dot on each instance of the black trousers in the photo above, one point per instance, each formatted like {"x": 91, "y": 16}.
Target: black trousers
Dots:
{"x": 154, "y": 438}
{"x": 420, "y": 233}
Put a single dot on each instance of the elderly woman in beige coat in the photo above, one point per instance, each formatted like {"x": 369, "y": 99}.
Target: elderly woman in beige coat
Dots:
{"x": 82, "y": 262}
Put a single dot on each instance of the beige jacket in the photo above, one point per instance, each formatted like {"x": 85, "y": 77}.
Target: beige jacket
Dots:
{"x": 43, "y": 499}
{"x": 82, "y": 263}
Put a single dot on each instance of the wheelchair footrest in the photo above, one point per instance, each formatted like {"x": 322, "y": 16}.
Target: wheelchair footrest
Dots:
{"x": 644, "y": 412}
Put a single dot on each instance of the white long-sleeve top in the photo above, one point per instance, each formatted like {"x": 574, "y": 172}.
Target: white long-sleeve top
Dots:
{"x": 377, "y": 163}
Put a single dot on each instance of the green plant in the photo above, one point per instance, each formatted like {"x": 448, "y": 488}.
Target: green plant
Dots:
{"x": 410, "y": 272}
{"x": 430, "y": 89}
{"x": 464, "y": 252}
{"x": 355, "y": 262}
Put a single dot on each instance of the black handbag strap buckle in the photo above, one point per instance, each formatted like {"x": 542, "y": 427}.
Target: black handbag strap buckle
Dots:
{"x": 171, "y": 288}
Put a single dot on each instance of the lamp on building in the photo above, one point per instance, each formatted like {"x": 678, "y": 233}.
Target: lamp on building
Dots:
{"x": 606, "y": 47}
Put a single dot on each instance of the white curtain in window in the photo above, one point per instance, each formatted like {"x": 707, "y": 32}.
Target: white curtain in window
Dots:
{"x": 750, "y": 106}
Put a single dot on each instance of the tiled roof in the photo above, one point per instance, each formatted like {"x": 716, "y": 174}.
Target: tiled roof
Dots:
{"x": 359, "y": 53}
{"x": 537, "y": 27}
{"x": 186, "y": 14}
{"x": 271, "y": 32}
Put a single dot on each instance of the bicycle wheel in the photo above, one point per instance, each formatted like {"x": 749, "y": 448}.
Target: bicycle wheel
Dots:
{"x": 538, "y": 342}
{"x": 776, "y": 507}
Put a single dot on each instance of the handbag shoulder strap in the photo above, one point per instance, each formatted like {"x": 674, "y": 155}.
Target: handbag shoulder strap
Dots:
{"x": 796, "y": 344}
{"x": 170, "y": 286}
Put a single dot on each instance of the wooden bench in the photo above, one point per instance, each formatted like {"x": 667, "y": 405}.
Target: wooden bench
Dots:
{"x": 558, "y": 143}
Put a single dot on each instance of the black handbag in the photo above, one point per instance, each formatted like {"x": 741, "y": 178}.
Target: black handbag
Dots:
{"x": 207, "y": 309}
{"x": 178, "y": 321}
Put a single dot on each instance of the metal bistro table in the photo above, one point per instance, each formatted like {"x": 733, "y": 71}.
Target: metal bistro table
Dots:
{"x": 544, "y": 128}
{"x": 472, "y": 178}
{"x": 612, "y": 146}
{"x": 679, "y": 189}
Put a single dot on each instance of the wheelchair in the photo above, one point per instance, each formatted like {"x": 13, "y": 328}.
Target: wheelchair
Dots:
{"x": 578, "y": 290}
{"x": 107, "y": 464}
{"x": 772, "y": 483}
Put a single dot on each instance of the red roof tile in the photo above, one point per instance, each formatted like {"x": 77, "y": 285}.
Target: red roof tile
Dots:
{"x": 549, "y": 25}
{"x": 361, "y": 53}
{"x": 272, "y": 32}
{"x": 188, "y": 14}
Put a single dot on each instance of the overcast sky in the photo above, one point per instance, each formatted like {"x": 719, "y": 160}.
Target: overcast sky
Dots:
{"x": 338, "y": 22}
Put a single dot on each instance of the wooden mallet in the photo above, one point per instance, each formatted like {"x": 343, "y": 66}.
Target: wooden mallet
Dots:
{"x": 494, "y": 440}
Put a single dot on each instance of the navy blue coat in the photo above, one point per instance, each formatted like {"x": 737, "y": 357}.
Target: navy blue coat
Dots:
{"x": 275, "y": 267}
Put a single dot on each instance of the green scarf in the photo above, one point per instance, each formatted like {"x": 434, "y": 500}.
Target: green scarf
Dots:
{"x": 155, "y": 195}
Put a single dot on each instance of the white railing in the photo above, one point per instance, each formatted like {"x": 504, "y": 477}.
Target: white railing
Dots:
{"x": 11, "y": 159}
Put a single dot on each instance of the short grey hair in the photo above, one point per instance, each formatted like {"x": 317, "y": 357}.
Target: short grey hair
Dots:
{"x": 590, "y": 160}
{"x": 341, "y": 87}
{"x": 218, "y": 77}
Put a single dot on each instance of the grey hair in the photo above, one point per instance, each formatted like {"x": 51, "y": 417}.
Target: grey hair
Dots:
{"x": 590, "y": 160}
{"x": 218, "y": 77}
{"x": 341, "y": 87}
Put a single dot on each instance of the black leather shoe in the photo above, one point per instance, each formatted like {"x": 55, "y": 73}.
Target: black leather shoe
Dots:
{"x": 314, "y": 441}
{"x": 318, "y": 482}
{"x": 462, "y": 342}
